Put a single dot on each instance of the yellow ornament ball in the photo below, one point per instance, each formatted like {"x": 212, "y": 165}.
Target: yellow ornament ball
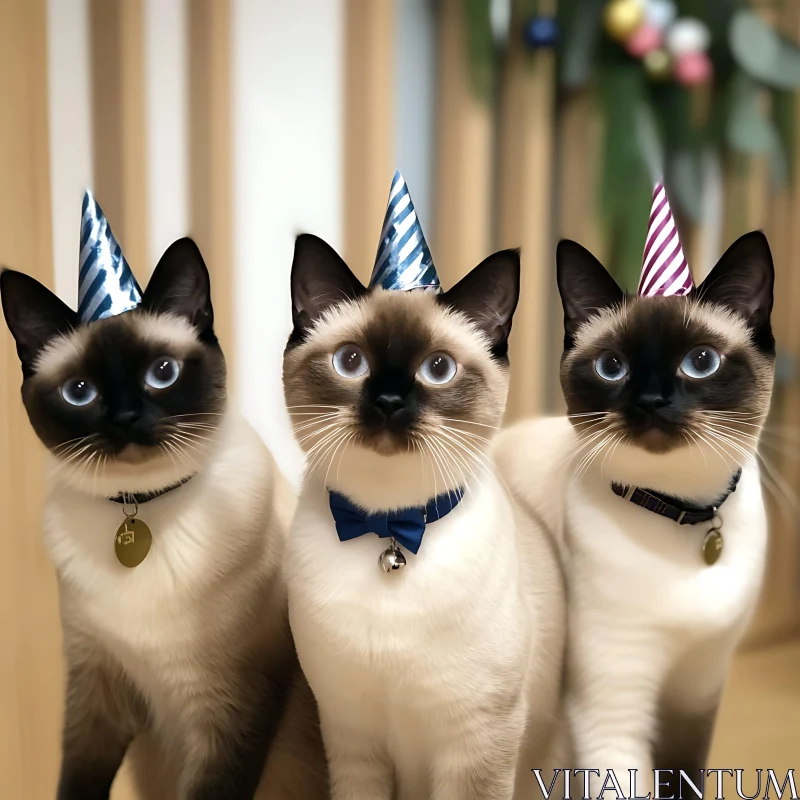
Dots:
{"x": 658, "y": 65}
{"x": 623, "y": 18}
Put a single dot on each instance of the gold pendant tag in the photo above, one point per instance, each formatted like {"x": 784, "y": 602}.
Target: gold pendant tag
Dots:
{"x": 712, "y": 547}
{"x": 132, "y": 542}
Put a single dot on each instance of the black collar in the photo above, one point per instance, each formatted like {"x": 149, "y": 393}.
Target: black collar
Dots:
{"x": 673, "y": 508}
{"x": 128, "y": 498}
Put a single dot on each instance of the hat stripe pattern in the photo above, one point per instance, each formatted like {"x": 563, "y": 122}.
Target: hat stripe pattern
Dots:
{"x": 665, "y": 270}
{"x": 106, "y": 285}
{"x": 404, "y": 261}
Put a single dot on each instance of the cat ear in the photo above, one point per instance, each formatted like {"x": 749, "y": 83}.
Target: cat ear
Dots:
{"x": 180, "y": 285}
{"x": 34, "y": 315}
{"x": 320, "y": 279}
{"x": 585, "y": 286}
{"x": 742, "y": 281}
{"x": 488, "y": 296}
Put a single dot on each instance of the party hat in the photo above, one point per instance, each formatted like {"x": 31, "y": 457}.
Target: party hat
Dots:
{"x": 664, "y": 267}
{"x": 106, "y": 285}
{"x": 404, "y": 260}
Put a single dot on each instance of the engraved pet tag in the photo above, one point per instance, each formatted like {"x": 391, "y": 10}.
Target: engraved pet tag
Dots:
{"x": 712, "y": 547}
{"x": 132, "y": 542}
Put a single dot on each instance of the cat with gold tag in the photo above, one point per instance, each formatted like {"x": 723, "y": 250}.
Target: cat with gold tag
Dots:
{"x": 166, "y": 519}
{"x": 652, "y": 487}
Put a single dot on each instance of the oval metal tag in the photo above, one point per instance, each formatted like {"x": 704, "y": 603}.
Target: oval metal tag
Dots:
{"x": 712, "y": 547}
{"x": 132, "y": 542}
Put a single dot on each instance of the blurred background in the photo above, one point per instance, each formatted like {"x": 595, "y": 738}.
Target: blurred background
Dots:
{"x": 515, "y": 123}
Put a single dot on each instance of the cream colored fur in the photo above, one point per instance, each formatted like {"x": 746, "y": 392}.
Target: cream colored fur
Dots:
{"x": 446, "y": 677}
{"x": 172, "y": 623}
{"x": 651, "y": 627}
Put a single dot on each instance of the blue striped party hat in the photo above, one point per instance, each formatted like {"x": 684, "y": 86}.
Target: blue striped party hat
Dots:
{"x": 106, "y": 286}
{"x": 404, "y": 260}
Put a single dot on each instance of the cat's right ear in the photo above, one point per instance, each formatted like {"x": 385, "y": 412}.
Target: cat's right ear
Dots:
{"x": 320, "y": 279}
{"x": 34, "y": 315}
{"x": 585, "y": 287}
{"x": 180, "y": 285}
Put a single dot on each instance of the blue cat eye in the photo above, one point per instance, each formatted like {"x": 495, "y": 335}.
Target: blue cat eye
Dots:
{"x": 610, "y": 367}
{"x": 162, "y": 373}
{"x": 701, "y": 362}
{"x": 350, "y": 362}
{"x": 438, "y": 368}
{"x": 78, "y": 391}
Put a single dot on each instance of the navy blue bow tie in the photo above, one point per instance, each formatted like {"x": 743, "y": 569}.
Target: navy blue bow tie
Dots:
{"x": 406, "y": 525}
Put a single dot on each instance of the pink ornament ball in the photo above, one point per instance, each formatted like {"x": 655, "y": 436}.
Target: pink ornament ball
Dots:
{"x": 693, "y": 69}
{"x": 645, "y": 39}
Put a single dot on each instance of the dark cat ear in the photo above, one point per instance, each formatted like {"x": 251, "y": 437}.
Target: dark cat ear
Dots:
{"x": 488, "y": 296}
{"x": 742, "y": 281}
{"x": 320, "y": 278}
{"x": 585, "y": 287}
{"x": 180, "y": 285}
{"x": 34, "y": 315}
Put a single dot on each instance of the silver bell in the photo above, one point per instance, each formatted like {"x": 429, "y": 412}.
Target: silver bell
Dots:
{"x": 392, "y": 559}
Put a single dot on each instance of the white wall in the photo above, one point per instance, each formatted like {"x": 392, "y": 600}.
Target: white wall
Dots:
{"x": 287, "y": 76}
{"x": 70, "y": 108}
{"x": 69, "y": 98}
{"x": 287, "y": 154}
{"x": 415, "y": 97}
{"x": 166, "y": 118}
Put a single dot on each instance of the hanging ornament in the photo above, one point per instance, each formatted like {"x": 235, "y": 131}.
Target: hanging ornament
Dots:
{"x": 645, "y": 39}
{"x": 693, "y": 69}
{"x": 660, "y": 13}
{"x": 622, "y": 18}
{"x": 658, "y": 65}
{"x": 688, "y": 35}
{"x": 541, "y": 32}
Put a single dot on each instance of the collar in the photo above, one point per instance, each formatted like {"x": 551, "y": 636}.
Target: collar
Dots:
{"x": 673, "y": 508}
{"x": 134, "y": 499}
{"x": 406, "y": 525}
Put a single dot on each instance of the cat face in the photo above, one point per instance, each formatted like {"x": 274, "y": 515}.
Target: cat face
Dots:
{"x": 376, "y": 376}
{"x": 127, "y": 403}
{"x": 661, "y": 373}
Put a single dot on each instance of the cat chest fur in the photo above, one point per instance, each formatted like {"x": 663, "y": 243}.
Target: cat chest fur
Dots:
{"x": 437, "y": 632}
{"x": 662, "y": 579}
{"x": 166, "y": 603}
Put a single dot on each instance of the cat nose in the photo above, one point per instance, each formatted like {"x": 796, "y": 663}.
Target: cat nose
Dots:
{"x": 124, "y": 418}
{"x": 389, "y": 403}
{"x": 651, "y": 401}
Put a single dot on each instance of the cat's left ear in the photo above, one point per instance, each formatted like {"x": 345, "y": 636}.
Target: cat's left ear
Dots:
{"x": 320, "y": 279}
{"x": 488, "y": 296}
{"x": 34, "y": 315}
{"x": 180, "y": 285}
{"x": 742, "y": 281}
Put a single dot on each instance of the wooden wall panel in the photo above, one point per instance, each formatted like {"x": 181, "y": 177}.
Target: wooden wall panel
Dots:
{"x": 463, "y": 187}
{"x": 118, "y": 124}
{"x": 368, "y": 127}
{"x": 526, "y": 209}
{"x": 777, "y": 213}
{"x": 210, "y": 145}
{"x": 577, "y": 154}
{"x": 30, "y": 663}
{"x": 579, "y": 150}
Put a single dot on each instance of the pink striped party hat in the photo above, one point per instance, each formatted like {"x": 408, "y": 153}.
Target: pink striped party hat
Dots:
{"x": 664, "y": 267}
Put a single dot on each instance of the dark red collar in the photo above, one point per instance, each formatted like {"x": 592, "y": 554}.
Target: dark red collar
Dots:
{"x": 674, "y": 508}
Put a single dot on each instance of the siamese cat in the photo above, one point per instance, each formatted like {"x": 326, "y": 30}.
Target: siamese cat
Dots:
{"x": 666, "y": 397}
{"x": 186, "y": 660}
{"x": 437, "y": 679}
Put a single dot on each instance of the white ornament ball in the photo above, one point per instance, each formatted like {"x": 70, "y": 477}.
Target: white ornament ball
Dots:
{"x": 660, "y": 13}
{"x": 688, "y": 35}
